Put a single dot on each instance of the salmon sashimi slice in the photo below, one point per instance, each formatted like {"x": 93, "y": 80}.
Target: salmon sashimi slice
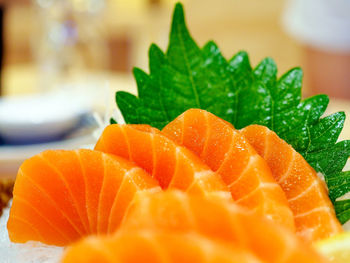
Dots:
{"x": 219, "y": 219}
{"x": 172, "y": 165}
{"x": 61, "y": 196}
{"x": 155, "y": 247}
{"x": 306, "y": 193}
{"x": 229, "y": 154}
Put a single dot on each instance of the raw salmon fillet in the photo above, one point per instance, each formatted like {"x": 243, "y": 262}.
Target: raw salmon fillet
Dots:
{"x": 61, "y": 196}
{"x": 218, "y": 219}
{"x": 229, "y": 154}
{"x": 307, "y": 195}
{"x": 172, "y": 165}
{"x": 155, "y": 247}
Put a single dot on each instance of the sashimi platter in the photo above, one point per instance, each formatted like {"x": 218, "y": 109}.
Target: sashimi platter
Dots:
{"x": 213, "y": 161}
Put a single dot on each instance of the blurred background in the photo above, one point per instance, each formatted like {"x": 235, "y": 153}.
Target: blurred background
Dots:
{"x": 91, "y": 46}
{"x": 111, "y": 36}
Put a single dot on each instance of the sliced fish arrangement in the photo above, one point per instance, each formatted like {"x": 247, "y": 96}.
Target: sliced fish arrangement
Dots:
{"x": 197, "y": 191}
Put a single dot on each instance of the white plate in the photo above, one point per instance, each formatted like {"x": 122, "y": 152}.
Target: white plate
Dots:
{"x": 42, "y": 117}
{"x": 11, "y": 157}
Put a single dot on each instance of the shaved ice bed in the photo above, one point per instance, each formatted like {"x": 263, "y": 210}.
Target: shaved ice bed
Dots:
{"x": 30, "y": 252}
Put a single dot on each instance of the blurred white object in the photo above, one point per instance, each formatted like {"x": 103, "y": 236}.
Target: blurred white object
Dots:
{"x": 69, "y": 36}
{"x": 102, "y": 123}
{"x": 323, "y": 24}
{"x": 42, "y": 117}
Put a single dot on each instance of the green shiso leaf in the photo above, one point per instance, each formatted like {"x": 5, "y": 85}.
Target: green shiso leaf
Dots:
{"x": 187, "y": 76}
{"x": 342, "y": 208}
